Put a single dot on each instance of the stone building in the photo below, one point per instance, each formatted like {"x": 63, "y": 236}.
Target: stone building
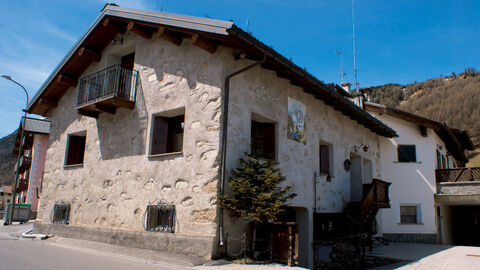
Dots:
{"x": 151, "y": 111}
{"x": 32, "y": 161}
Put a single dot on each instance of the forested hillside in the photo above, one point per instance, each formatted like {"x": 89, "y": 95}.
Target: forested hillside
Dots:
{"x": 453, "y": 99}
{"x": 7, "y": 162}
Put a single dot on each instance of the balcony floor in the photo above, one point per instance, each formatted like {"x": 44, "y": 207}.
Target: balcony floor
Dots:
{"x": 107, "y": 104}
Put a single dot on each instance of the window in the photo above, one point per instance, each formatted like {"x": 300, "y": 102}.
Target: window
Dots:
{"x": 409, "y": 214}
{"x": 75, "y": 149}
{"x": 263, "y": 140}
{"x": 439, "y": 162}
{"x": 160, "y": 218}
{"x": 324, "y": 157}
{"x": 61, "y": 213}
{"x": 167, "y": 135}
{"x": 407, "y": 153}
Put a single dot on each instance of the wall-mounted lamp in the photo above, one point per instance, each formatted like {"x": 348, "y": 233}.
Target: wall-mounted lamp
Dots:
{"x": 361, "y": 146}
{"x": 117, "y": 40}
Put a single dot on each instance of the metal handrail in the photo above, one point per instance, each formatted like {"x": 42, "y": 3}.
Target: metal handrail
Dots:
{"x": 113, "y": 81}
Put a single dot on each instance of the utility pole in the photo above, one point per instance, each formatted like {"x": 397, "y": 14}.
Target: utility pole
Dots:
{"x": 10, "y": 218}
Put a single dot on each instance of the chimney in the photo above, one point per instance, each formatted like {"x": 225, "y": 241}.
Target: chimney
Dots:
{"x": 346, "y": 86}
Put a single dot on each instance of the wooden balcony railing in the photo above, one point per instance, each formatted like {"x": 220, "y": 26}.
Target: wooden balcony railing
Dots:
{"x": 22, "y": 184}
{"x": 25, "y": 162}
{"x": 107, "y": 90}
{"x": 457, "y": 175}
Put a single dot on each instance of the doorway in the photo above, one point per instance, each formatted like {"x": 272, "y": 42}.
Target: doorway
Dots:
{"x": 356, "y": 173}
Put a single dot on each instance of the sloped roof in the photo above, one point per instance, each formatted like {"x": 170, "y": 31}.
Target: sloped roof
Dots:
{"x": 456, "y": 140}
{"x": 7, "y": 189}
{"x": 32, "y": 126}
{"x": 205, "y": 33}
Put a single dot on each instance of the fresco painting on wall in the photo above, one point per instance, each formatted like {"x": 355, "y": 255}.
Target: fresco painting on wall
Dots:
{"x": 296, "y": 121}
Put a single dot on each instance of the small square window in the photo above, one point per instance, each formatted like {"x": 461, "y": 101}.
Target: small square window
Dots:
{"x": 408, "y": 214}
{"x": 61, "y": 213}
{"x": 160, "y": 218}
{"x": 167, "y": 135}
{"x": 407, "y": 153}
{"x": 75, "y": 149}
{"x": 263, "y": 140}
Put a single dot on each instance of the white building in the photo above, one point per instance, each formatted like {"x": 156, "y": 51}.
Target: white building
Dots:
{"x": 410, "y": 162}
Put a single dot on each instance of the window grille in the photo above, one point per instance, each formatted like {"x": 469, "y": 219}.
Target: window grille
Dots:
{"x": 160, "y": 218}
{"x": 408, "y": 214}
{"x": 61, "y": 213}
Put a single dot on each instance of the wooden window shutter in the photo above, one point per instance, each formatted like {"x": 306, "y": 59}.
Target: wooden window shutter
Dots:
{"x": 160, "y": 135}
{"x": 324, "y": 159}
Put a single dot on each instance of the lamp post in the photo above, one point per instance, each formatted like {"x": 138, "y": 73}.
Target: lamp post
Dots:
{"x": 10, "y": 218}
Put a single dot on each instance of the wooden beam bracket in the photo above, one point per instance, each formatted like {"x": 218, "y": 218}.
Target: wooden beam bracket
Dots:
{"x": 47, "y": 102}
{"x": 91, "y": 55}
{"x": 139, "y": 30}
{"x": 67, "y": 80}
{"x": 88, "y": 113}
{"x": 206, "y": 44}
{"x": 169, "y": 36}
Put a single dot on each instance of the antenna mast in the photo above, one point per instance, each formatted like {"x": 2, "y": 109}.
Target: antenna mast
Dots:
{"x": 354, "y": 53}
{"x": 340, "y": 53}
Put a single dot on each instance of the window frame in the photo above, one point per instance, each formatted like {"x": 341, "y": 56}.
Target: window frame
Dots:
{"x": 407, "y": 161}
{"x": 169, "y": 140}
{"x": 330, "y": 152}
{"x": 68, "y": 152}
{"x": 418, "y": 216}
{"x": 263, "y": 120}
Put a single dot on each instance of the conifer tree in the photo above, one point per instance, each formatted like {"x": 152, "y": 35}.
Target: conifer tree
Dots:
{"x": 257, "y": 195}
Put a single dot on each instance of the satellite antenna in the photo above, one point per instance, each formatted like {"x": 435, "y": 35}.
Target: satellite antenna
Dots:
{"x": 354, "y": 53}
{"x": 339, "y": 52}
{"x": 247, "y": 24}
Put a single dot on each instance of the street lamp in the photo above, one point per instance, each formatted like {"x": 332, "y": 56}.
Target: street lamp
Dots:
{"x": 10, "y": 219}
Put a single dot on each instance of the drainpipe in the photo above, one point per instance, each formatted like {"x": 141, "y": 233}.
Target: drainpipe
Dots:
{"x": 224, "y": 138}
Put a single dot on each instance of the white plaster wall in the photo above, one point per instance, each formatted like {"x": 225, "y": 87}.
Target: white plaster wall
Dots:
{"x": 412, "y": 183}
{"x": 118, "y": 179}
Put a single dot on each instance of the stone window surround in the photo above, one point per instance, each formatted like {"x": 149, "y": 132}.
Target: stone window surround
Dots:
{"x": 167, "y": 113}
{"x": 77, "y": 133}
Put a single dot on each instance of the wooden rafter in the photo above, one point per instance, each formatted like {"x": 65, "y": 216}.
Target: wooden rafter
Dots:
{"x": 67, "y": 80}
{"x": 91, "y": 55}
{"x": 206, "y": 44}
{"x": 139, "y": 30}
{"x": 170, "y": 36}
{"x": 48, "y": 102}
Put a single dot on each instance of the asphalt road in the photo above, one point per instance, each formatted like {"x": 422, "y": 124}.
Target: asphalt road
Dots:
{"x": 39, "y": 255}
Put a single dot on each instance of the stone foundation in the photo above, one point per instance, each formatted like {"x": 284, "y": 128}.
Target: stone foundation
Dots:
{"x": 200, "y": 246}
{"x": 425, "y": 238}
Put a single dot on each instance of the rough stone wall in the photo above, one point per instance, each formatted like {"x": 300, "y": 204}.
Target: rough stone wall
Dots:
{"x": 118, "y": 179}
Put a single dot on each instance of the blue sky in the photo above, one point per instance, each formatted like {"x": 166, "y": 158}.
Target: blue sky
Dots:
{"x": 397, "y": 41}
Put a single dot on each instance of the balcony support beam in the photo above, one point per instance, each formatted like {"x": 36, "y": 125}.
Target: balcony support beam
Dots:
{"x": 88, "y": 113}
{"x": 105, "y": 108}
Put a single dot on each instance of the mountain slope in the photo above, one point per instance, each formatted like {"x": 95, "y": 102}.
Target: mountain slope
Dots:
{"x": 7, "y": 162}
{"x": 454, "y": 100}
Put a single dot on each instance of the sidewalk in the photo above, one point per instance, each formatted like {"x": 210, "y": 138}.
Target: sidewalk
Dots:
{"x": 426, "y": 256}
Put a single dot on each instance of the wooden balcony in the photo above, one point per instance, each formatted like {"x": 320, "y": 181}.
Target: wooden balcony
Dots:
{"x": 107, "y": 90}
{"x": 25, "y": 163}
{"x": 457, "y": 175}
{"x": 22, "y": 184}
{"x": 375, "y": 198}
